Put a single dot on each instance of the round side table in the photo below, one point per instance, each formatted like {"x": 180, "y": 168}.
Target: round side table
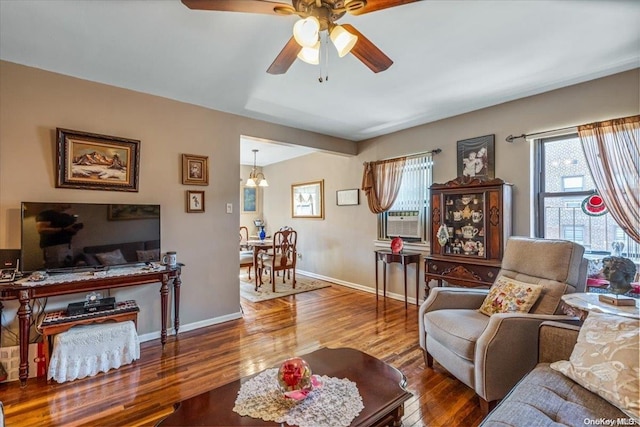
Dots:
{"x": 580, "y": 304}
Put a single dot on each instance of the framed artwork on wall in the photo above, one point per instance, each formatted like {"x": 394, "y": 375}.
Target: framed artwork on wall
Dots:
{"x": 307, "y": 200}
{"x": 476, "y": 157}
{"x": 195, "y": 201}
{"x": 249, "y": 199}
{"x": 195, "y": 169}
{"x": 348, "y": 197}
{"x": 96, "y": 162}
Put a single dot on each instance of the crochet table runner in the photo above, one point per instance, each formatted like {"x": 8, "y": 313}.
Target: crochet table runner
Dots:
{"x": 336, "y": 403}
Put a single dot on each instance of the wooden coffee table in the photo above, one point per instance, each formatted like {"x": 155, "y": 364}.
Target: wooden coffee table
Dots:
{"x": 380, "y": 385}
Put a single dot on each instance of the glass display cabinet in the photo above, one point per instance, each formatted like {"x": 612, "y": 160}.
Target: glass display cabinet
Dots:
{"x": 470, "y": 223}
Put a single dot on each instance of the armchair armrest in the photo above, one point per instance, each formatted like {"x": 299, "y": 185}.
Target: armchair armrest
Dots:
{"x": 556, "y": 341}
{"x": 444, "y": 298}
{"x": 507, "y": 350}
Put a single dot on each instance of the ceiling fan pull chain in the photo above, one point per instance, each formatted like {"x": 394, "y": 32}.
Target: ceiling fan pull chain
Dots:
{"x": 322, "y": 47}
{"x": 326, "y": 55}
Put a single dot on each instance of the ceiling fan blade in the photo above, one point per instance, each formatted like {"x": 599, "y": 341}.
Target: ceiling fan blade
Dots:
{"x": 367, "y": 52}
{"x": 285, "y": 58}
{"x": 373, "y": 5}
{"x": 249, "y": 6}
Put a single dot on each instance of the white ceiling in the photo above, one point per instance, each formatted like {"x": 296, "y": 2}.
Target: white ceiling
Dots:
{"x": 450, "y": 57}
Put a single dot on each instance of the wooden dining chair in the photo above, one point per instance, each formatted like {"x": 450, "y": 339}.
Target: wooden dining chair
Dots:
{"x": 282, "y": 257}
{"x": 244, "y": 238}
{"x": 246, "y": 251}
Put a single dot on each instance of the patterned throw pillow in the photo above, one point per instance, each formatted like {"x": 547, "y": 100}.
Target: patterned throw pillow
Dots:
{"x": 111, "y": 258}
{"x": 605, "y": 360}
{"x": 510, "y": 296}
{"x": 149, "y": 255}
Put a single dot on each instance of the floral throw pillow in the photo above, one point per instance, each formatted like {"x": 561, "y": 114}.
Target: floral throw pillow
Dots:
{"x": 605, "y": 360}
{"x": 510, "y": 296}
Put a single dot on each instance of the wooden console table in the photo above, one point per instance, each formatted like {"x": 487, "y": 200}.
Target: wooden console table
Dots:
{"x": 404, "y": 258}
{"x": 24, "y": 291}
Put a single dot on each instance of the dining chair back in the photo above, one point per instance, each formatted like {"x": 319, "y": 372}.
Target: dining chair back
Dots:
{"x": 282, "y": 256}
{"x": 246, "y": 251}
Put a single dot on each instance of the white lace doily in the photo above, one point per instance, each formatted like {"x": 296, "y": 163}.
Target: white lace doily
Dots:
{"x": 336, "y": 403}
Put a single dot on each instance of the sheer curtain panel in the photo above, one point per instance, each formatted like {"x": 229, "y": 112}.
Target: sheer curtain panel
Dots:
{"x": 612, "y": 149}
{"x": 381, "y": 182}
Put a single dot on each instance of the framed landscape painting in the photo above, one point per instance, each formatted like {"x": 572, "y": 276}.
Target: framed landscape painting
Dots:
{"x": 307, "y": 200}
{"x": 96, "y": 162}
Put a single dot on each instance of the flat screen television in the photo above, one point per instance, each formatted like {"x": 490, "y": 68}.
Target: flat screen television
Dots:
{"x": 69, "y": 236}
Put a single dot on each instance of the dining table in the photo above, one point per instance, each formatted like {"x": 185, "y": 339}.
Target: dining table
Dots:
{"x": 258, "y": 247}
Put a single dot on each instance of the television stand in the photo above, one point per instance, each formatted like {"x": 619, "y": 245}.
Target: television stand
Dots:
{"x": 73, "y": 283}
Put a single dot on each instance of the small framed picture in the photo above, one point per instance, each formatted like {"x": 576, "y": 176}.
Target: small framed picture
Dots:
{"x": 348, "y": 197}
{"x": 195, "y": 201}
{"x": 195, "y": 169}
{"x": 476, "y": 158}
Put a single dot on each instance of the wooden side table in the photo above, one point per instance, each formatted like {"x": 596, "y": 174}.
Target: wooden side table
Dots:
{"x": 404, "y": 258}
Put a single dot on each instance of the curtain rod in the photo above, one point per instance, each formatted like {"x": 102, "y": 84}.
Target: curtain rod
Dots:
{"x": 432, "y": 152}
{"x": 511, "y": 138}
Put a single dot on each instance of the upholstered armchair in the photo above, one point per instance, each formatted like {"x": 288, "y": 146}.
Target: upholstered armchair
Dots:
{"x": 492, "y": 353}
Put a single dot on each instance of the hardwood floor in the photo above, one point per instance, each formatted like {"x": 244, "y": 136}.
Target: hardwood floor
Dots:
{"x": 197, "y": 361}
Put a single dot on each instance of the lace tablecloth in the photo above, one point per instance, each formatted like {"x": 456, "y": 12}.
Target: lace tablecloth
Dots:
{"x": 336, "y": 403}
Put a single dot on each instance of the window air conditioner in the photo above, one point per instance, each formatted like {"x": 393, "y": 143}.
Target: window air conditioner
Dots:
{"x": 403, "y": 224}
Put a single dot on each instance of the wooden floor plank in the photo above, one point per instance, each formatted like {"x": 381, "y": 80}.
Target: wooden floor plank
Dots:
{"x": 197, "y": 361}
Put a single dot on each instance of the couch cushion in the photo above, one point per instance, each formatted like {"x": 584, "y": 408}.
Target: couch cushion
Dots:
{"x": 547, "y": 398}
{"x": 606, "y": 360}
{"x": 510, "y": 296}
{"x": 457, "y": 330}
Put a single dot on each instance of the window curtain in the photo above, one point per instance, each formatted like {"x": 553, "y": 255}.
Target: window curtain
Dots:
{"x": 381, "y": 183}
{"x": 612, "y": 149}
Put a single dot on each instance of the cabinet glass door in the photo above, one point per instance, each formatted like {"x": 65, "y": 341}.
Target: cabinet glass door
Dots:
{"x": 464, "y": 218}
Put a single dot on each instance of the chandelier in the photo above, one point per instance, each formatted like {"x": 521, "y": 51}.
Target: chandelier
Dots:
{"x": 256, "y": 179}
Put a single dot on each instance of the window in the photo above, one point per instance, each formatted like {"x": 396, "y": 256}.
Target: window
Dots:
{"x": 408, "y": 217}
{"x": 572, "y": 183}
{"x": 564, "y": 182}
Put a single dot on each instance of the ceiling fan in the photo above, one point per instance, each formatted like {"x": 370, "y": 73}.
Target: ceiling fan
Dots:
{"x": 316, "y": 16}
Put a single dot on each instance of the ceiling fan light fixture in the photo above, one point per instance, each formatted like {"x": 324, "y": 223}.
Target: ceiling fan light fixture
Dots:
{"x": 343, "y": 40}
{"x": 310, "y": 55}
{"x": 306, "y": 31}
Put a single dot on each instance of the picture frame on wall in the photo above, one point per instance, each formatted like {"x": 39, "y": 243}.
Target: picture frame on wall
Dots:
{"x": 195, "y": 201}
{"x": 348, "y": 197}
{"x": 96, "y": 162}
{"x": 195, "y": 169}
{"x": 476, "y": 157}
{"x": 249, "y": 199}
{"x": 307, "y": 200}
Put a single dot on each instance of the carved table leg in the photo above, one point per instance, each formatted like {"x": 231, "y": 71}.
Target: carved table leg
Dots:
{"x": 176, "y": 302}
{"x": 24, "y": 316}
{"x": 164, "y": 300}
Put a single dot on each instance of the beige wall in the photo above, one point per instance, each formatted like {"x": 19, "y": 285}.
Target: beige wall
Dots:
{"x": 34, "y": 102}
{"x": 341, "y": 246}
